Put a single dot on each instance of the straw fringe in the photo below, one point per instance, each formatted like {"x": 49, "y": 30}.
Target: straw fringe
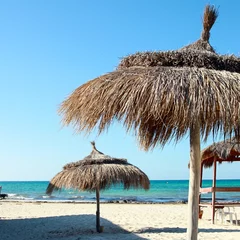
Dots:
{"x": 86, "y": 178}
{"x": 159, "y": 103}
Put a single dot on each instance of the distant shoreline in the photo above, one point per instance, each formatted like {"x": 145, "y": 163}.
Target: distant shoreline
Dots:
{"x": 166, "y": 180}
{"x": 160, "y": 192}
{"x": 105, "y": 202}
{"x": 91, "y": 202}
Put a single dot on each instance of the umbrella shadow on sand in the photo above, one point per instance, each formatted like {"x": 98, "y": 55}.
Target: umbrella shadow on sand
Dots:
{"x": 184, "y": 230}
{"x": 61, "y": 227}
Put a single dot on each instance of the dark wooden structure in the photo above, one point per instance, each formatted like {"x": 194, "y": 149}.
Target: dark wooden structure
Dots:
{"x": 225, "y": 151}
{"x": 3, "y": 196}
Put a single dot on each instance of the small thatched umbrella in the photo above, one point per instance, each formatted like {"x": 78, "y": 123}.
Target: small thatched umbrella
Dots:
{"x": 98, "y": 172}
{"x": 164, "y": 96}
{"x": 224, "y": 151}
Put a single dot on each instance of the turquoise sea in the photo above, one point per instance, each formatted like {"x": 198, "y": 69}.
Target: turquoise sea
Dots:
{"x": 160, "y": 191}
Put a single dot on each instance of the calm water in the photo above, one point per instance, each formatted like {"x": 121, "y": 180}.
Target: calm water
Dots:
{"x": 160, "y": 191}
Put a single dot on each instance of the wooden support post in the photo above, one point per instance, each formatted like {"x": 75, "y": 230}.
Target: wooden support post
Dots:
{"x": 194, "y": 182}
{"x": 214, "y": 188}
{"x": 98, "y": 211}
{"x": 201, "y": 173}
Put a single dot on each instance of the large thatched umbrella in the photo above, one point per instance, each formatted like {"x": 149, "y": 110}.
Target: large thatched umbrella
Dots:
{"x": 224, "y": 151}
{"x": 98, "y": 172}
{"x": 164, "y": 96}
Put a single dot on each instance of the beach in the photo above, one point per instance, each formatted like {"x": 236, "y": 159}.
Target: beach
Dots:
{"x": 75, "y": 221}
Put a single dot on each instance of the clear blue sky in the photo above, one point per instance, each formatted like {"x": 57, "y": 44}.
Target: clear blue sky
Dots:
{"x": 50, "y": 47}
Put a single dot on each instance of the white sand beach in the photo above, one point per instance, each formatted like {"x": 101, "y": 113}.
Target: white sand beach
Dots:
{"x": 24, "y": 221}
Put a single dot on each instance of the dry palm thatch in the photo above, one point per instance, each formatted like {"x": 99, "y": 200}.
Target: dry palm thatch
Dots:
{"x": 227, "y": 150}
{"x": 98, "y": 172}
{"x": 162, "y": 95}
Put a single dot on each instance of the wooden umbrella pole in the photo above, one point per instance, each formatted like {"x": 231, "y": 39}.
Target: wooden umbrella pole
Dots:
{"x": 98, "y": 211}
{"x": 194, "y": 182}
{"x": 201, "y": 176}
{"x": 214, "y": 187}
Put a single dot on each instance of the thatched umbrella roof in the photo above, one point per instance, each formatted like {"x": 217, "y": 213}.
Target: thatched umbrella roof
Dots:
{"x": 163, "y": 95}
{"x": 97, "y": 172}
{"x": 227, "y": 150}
